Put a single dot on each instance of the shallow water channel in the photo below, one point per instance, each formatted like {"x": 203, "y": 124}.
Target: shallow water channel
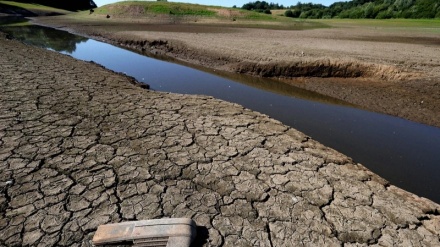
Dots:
{"x": 404, "y": 152}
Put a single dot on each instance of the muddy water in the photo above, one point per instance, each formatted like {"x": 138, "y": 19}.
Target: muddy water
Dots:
{"x": 401, "y": 151}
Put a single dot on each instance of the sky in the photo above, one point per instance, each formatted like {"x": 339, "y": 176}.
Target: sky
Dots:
{"x": 230, "y": 3}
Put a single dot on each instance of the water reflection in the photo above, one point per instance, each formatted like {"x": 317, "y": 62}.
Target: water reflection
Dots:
{"x": 42, "y": 37}
{"x": 279, "y": 87}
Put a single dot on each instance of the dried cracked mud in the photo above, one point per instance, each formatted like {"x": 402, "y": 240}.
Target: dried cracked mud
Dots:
{"x": 81, "y": 146}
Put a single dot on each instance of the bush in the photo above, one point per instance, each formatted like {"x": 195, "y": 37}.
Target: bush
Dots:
{"x": 267, "y": 11}
{"x": 288, "y": 13}
{"x": 295, "y": 13}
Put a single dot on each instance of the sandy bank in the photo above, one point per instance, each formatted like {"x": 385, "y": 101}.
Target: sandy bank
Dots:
{"x": 81, "y": 146}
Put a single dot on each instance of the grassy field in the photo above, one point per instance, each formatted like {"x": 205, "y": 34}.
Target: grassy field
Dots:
{"x": 398, "y": 23}
{"x": 35, "y": 8}
{"x": 427, "y": 26}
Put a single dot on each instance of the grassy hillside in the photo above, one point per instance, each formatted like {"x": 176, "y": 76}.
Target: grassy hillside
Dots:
{"x": 71, "y": 5}
{"x": 29, "y": 9}
{"x": 165, "y": 13}
{"x": 173, "y": 12}
{"x": 139, "y": 8}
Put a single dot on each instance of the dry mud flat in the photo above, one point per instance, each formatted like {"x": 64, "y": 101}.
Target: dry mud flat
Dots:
{"x": 81, "y": 146}
{"x": 383, "y": 69}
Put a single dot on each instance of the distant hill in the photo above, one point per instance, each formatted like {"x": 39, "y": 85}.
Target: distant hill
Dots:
{"x": 176, "y": 10}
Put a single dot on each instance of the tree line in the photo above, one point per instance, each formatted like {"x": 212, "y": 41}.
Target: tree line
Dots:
{"x": 355, "y": 9}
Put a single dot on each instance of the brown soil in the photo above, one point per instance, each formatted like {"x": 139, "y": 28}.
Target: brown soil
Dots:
{"x": 388, "y": 70}
{"x": 86, "y": 148}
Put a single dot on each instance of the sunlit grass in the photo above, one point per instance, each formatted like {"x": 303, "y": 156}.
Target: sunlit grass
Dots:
{"x": 234, "y": 17}
{"x": 156, "y": 8}
{"x": 413, "y": 23}
{"x": 391, "y": 25}
{"x": 174, "y": 8}
{"x": 17, "y": 24}
{"x": 34, "y": 7}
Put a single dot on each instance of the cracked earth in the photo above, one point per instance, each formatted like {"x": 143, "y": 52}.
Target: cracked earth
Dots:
{"x": 81, "y": 146}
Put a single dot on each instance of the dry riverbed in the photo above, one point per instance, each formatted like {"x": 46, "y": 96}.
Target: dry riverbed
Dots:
{"x": 392, "y": 70}
{"x": 82, "y": 146}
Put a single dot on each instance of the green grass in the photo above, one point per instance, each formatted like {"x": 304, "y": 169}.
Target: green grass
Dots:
{"x": 392, "y": 23}
{"x": 179, "y": 9}
{"x": 34, "y": 7}
{"x": 17, "y": 24}
{"x": 377, "y": 23}
{"x": 127, "y": 8}
{"x": 222, "y": 16}
{"x": 251, "y": 15}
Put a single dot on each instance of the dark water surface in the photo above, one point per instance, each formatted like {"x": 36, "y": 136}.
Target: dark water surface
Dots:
{"x": 404, "y": 152}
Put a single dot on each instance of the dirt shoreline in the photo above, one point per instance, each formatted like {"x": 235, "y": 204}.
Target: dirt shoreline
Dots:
{"x": 81, "y": 146}
{"x": 388, "y": 71}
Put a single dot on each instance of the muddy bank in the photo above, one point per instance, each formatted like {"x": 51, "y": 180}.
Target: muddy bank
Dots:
{"x": 325, "y": 68}
{"x": 81, "y": 146}
{"x": 368, "y": 67}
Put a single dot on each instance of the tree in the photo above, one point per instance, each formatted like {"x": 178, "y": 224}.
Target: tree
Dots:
{"x": 379, "y": 9}
{"x": 288, "y": 13}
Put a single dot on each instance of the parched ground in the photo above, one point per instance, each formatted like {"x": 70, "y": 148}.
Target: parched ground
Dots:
{"x": 384, "y": 68}
{"x": 81, "y": 146}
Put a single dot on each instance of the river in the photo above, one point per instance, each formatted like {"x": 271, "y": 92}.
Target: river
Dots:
{"x": 404, "y": 152}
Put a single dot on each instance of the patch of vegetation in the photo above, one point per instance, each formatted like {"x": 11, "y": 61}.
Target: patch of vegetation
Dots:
{"x": 187, "y": 13}
{"x": 426, "y": 24}
{"x": 150, "y": 8}
{"x": 179, "y": 9}
{"x": 159, "y": 7}
{"x": 250, "y": 15}
{"x": 387, "y": 9}
{"x": 357, "y": 9}
{"x": 71, "y": 5}
{"x": 28, "y": 9}
{"x": 262, "y": 5}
